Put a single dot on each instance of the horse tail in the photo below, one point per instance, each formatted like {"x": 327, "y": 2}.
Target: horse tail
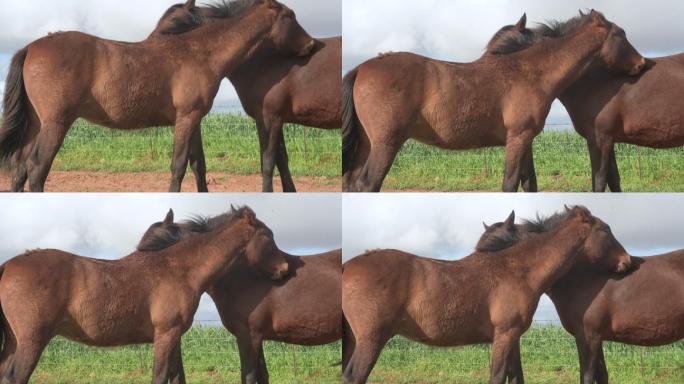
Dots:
{"x": 15, "y": 119}
{"x": 350, "y": 122}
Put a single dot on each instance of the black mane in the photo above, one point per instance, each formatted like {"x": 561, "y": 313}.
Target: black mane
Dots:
{"x": 504, "y": 42}
{"x": 197, "y": 16}
{"x": 156, "y": 239}
{"x": 528, "y": 228}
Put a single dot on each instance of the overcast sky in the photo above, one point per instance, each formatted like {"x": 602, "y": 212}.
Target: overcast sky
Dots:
{"x": 447, "y": 226}
{"x": 109, "y": 226}
{"x": 458, "y": 30}
{"x": 22, "y": 22}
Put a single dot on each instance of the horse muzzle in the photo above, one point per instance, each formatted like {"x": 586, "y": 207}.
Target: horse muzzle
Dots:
{"x": 280, "y": 273}
{"x": 306, "y": 51}
{"x": 624, "y": 266}
{"x": 638, "y": 68}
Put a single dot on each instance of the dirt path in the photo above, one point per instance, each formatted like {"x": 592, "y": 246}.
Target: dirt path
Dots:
{"x": 159, "y": 182}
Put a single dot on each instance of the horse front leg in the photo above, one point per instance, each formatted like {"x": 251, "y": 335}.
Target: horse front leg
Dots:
{"x": 588, "y": 349}
{"x": 249, "y": 346}
{"x": 186, "y": 127}
{"x": 177, "y": 371}
{"x": 262, "y": 369}
{"x": 269, "y": 129}
{"x": 198, "y": 162}
{"x": 503, "y": 347}
{"x": 515, "y": 371}
{"x": 614, "y": 173}
{"x": 517, "y": 147}
{"x": 165, "y": 346}
{"x": 529, "y": 174}
{"x": 283, "y": 164}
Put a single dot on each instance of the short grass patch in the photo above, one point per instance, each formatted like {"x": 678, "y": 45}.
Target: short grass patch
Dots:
{"x": 210, "y": 355}
{"x": 549, "y": 356}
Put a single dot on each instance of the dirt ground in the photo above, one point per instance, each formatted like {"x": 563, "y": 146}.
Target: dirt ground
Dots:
{"x": 159, "y": 182}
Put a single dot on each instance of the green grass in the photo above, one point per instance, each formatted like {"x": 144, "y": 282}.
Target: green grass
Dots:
{"x": 561, "y": 161}
{"x": 548, "y": 356}
{"x": 210, "y": 355}
{"x": 230, "y": 144}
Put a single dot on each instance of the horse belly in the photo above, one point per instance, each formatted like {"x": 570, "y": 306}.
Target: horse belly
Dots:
{"x": 445, "y": 324}
{"x": 130, "y": 111}
{"x": 106, "y": 332}
{"x": 656, "y": 131}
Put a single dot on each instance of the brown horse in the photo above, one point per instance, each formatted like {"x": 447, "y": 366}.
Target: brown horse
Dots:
{"x": 276, "y": 89}
{"x": 487, "y": 297}
{"x": 170, "y": 78}
{"x": 305, "y": 308}
{"x": 140, "y": 298}
{"x": 497, "y": 100}
{"x": 608, "y": 108}
{"x": 595, "y": 306}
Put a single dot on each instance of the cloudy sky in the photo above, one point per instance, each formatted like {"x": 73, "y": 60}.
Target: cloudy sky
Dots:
{"x": 24, "y": 21}
{"x": 447, "y": 226}
{"x": 458, "y": 30}
{"x": 110, "y": 226}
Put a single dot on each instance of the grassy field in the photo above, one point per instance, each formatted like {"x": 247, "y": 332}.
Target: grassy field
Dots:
{"x": 210, "y": 356}
{"x": 548, "y": 355}
{"x": 231, "y": 145}
{"x": 561, "y": 161}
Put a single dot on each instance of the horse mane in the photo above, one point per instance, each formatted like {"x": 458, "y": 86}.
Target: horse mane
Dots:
{"x": 503, "y": 43}
{"x": 156, "y": 240}
{"x": 198, "y": 16}
{"x": 527, "y": 229}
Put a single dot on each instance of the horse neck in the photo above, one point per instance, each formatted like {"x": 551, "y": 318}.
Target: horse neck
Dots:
{"x": 558, "y": 63}
{"x": 549, "y": 256}
{"x": 205, "y": 258}
{"x": 226, "y": 44}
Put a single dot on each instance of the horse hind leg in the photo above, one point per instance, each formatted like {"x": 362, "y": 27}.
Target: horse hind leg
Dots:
{"x": 614, "y": 173}
{"x": 43, "y": 153}
{"x": 24, "y": 362}
{"x": 529, "y": 174}
{"x": 364, "y": 357}
{"x": 262, "y": 368}
{"x": 378, "y": 165}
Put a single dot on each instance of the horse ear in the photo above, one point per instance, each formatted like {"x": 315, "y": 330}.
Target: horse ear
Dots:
{"x": 522, "y": 23}
{"x": 250, "y": 215}
{"x": 232, "y": 208}
{"x": 486, "y": 227}
{"x": 510, "y": 221}
{"x": 598, "y": 18}
{"x": 567, "y": 209}
{"x": 190, "y": 4}
{"x": 271, "y": 3}
{"x": 169, "y": 217}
